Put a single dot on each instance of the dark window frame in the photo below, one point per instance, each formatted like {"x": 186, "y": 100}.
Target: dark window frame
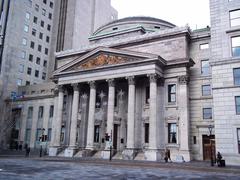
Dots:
{"x": 172, "y": 96}
{"x": 205, "y": 115}
{"x": 172, "y": 133}
{"x": 236, "y": 79}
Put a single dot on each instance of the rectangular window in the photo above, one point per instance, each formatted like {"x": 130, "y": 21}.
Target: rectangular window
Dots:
{"x": 35, "y": 19}
{"x": 39, "y": 48}
{"x": 96, "y": 133}
{"x": 21, "y": 68}
{"x": 44, "y": 76}
{"x": 30, "y": 57}
{"x": 29, "y": 71}
{"x": 45, "y": 1}
{"x": 206, "y": 90}
{"x": 32, "y": 44}
{"x": 36, "y": 73}
{"x": 36, "y": 7}
{"x": 46, "y": 51}
{"x": 235, "y": 18}
{"x": 30, "y": 113}
{"x": 49, "y": 27}
{"x": 40, "y": 35}
{"x": 47, "y": 39}
{"x": 49, "y": 135}
{"x": 172, "y": 93}
{"x": 44, "y": 63}
{"x": 236, "y": 76}
{"x": 50, "y": 16}
{"x": 207, "y": 113}
{"x": 27, "y": 83}
{"x": 237, "y": 102}
{"x": 34, "y": 32}
{"x": 26, "y": 28}
{"x": 42, "y": 23}
{"x": 24, "y": 41}
{"x": 38, "y": 134}
{"x": 172, "y": 133}
{"x": 27, "y": 15}
{"x": 238, "y": 139}
{"x": 51, "y": 110}
{"x": 43, "y": 12}
{"x": 147, "y": 95}
{"x": 146, "y": 133}
{"x": 205, "y": 68}
{"x": 23, "y": 54}
{"x": 194, "y": 140}
{"x": 38, "y": 60}
{"x": 51, "y": 4}
{"x": 19, "y": 82}
{"x": 235, "y": 46}
{"x": 204, "y": 46}
{"x": 40, "y": 112}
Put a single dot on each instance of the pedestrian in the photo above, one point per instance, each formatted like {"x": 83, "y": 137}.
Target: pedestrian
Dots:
{"x": 27, "y": 150}
{"x": 219, "y": 158}
{"x": 167, "y": 155}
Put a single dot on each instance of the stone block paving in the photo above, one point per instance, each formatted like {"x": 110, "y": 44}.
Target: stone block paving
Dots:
{"x": 47, "y": 168}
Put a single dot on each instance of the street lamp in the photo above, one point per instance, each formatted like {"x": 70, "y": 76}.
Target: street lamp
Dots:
{"x": 210, "y": 127}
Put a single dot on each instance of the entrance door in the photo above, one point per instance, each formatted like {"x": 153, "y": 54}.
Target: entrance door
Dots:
{"x": 115, "y": 136}
{"x": 208, "y": 146}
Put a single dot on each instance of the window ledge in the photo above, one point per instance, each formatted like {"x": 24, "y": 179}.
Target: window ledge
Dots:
{"x": 234, "y": 29}
{"x": 172, "y": 145}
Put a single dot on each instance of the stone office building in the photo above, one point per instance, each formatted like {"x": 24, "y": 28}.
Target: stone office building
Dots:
{"x": 147, "y": 84}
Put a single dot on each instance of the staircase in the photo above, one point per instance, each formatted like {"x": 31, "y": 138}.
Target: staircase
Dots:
{"x": 118, "y": 155}
{"x": 79, "y": 154}
{"x": 61, "y": 154}
{"x": 140, "y": 156}
{"x": 97, "y": 155}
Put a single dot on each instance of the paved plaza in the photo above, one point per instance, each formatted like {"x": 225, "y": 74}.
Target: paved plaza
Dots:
{"x": 21, "y": 168}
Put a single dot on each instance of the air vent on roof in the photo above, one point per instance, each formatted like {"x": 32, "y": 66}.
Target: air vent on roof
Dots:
{"x": 157, "y": 27}
{"x": 115, "y": 28}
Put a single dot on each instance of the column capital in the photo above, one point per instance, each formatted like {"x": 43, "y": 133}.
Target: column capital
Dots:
{"x": 153, "y": 77}
{"x": 131, "y": 80}
{"x": 75, "y": 86}
{"x": 92, "y": 84}
{"x": 183, "y": 79}
{"x": 111, "y": 82}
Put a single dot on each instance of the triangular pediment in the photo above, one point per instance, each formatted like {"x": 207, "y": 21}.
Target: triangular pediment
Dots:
{"x": 103, "y": 57}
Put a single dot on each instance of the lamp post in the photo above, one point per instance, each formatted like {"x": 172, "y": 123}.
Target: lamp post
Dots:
{"x": 210, "y": 127}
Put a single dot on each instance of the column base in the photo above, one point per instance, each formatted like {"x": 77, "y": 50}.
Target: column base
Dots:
{"x": 53, "y": 151}
{"x": 129, "y": 154}
{"x": 70, "y": 152}
{"x": 154, "y": 155}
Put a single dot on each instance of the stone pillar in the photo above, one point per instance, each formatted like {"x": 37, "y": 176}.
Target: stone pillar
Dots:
{"x": 91, "y": 115}
{"x": 152, "y": 154}
{"x": 110, "y": 117}
{"x": 73, "y": 128}
{"x": 129, "y": 152}
{"x": 57, "y": 123}
{"x": 23, "y": 125}
{"x": 183, "y": 103}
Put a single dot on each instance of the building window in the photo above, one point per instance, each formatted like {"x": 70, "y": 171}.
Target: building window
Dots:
{"x": 194, "y": 140}
{"x": 147, "y": 95}
{"x": 23, "y": 54}
{"x": 235, "y": 46}
{"x": 24, "y": 41}
{"x": 207, "y": 113}
{"x": 40, "y": 112}
{"x": 36, "y": 73}
{"x": 51, "y": 110}
{"x": 38, "y": 134}
{"x": 49, "y": 135}
{"x": 42, "y": 23}
{"x": 44, "y": 76}
{"x": 236, "y": 76}
{"x": 35, "y": 19}
{"x": 205, "y": 68}
{"x": 46, "y": 51}
{"x": 172, "y": 133}
{"x": 172, "y": 93}
{"x": 38, "y": 60}
{"x": 21, "y": 68}
{"x": 26, "y": 28}
{"x": 235, "y": 17}
{"x": 40, "y": 35}
{"x": 27, "y": 83}
{"x": 39, "y": 48}
{"x": 30, "y": 57}
{"x": 47, "y": 39}
{"x": 36, "y": 7}
{"x": 29, "y": 71}
{"x": 206, "y": 90}
{"x": 34, "y": 31}
{"x": 27, "y": 16}
{"x": 237, "y": 102}
{"x": 19, "y": 82}
{"x": 45, "y": 1}
{"x": 49, "y": 27}
{"x": 32, "y": 44}
{"x": 43, "y": 12}
{"x": 238, "y": 139}
{"x": 204, "y": 46}
{"x": 96, "y": 133}
{"x": 30, "y": 113}
{"x": 44, "y": 63}
{"x": 50, "y": 16}
{"x": 146, "y": 137}
{"x": 51, "y": 4}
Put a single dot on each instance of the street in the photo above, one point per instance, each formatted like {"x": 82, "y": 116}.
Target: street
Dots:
{"x": 21, "y": 168}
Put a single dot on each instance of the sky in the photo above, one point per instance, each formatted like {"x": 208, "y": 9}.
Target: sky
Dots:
{"x": 195, "y": 13}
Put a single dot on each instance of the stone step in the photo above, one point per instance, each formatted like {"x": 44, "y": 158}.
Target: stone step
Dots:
{"x": 79, "y": 154}
{"x": 98, "y": 155}
{"x": 62, "y": 153}
{"x": 118, "y": 156}
{"x": 140, "y": 156}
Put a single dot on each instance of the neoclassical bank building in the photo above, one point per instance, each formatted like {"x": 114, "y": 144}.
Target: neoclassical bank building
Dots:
{"x": 142, "y": 86}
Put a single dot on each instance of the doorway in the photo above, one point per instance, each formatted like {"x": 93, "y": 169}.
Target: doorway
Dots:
{"x": 208, "y": 146}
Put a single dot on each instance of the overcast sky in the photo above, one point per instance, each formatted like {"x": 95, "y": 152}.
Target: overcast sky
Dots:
{"x": 179, "y": 12}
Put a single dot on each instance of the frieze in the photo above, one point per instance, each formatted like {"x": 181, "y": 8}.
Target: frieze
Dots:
{"x": 103, "y": 60}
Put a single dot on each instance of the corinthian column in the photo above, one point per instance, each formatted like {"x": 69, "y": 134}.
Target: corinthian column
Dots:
{"x": 91, "y": 115}
{"x": 75, "y": 104}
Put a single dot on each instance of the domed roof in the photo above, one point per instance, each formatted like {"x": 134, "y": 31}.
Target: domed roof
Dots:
{"x": 148, "y": 23}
